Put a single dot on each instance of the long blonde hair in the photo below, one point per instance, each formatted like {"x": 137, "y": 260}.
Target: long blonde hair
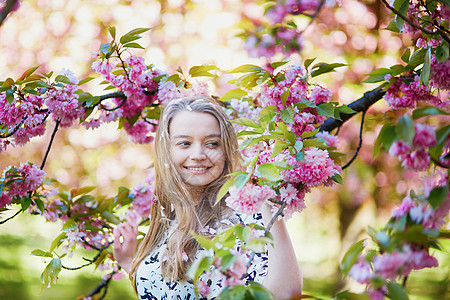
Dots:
{"x": 175, "y": 204}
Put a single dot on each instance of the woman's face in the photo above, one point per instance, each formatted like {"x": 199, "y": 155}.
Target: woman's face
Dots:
{"x": 196, "y": 147}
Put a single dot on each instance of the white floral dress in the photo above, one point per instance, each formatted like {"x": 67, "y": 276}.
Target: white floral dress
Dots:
{"x": 150, "y": 283}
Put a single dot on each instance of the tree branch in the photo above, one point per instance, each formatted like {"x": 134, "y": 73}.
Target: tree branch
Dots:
{"x": 412, "y": 23}
{"x": 360, "y": 142}
{"x": 50, "y": 144}
{"x": 12, "y": 217}
{"x": 102, "y": 285}
{"x": 90, "y": 261}
{"x": 362, "y": 104}
{"x": 9, "y": 7}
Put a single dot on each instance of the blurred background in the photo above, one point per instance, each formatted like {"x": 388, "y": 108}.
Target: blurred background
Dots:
{"x": 57, "y": 34}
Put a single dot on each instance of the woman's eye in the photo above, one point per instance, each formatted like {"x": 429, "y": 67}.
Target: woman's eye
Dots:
{"x": 183, "y": 143}
{"x": 213, "y": 144}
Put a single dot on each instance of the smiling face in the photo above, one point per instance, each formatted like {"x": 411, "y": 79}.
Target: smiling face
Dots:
{"x": 196, "y": 147}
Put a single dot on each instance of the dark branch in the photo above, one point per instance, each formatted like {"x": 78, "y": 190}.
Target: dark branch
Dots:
{"x": 14, "y": 130}
{"x": 7, "y": 9}
{"x": 362, "y": 104}
{"x": 50, "y": 144}
{"x": 10, "y": 218}
{"x": 438, "y": 163}
{"x": 404, "y": 18}
{"x": 359, "y": 144}
{"x": 102, "y": 285}
{"x": 90, "y": 261}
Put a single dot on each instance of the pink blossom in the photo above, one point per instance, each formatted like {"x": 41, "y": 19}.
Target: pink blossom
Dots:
{"x": 198, "y": 88}
{"x": 143, "y": 198}
{"x": 320, "y": 95}
{"x": 250, "y": 198}
{"x": 401, "y": 95}
{"x": 102, "y": 67}
{"x": 294, "y": 198}
{"x": 167, "y": 92}
{"x": 5, "y": 200}
{"x": 202, "y": 288}
{"x": 140, "y": 132}
{"x": 314, "y": 171}
{"x": 406, "y": 205}
{"x": 440, "y": 74}
{"x": 421, "y": 43}
{"x": 303, "y": 122}
{"x": 424, "y": 136}
{"x": 361, "y": 271}
{"x": 332, "y": 140}
{"x": 388, "y": 265}
{"x": 418, "y": 160}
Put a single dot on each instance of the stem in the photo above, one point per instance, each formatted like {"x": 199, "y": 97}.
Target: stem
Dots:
{"x": 6, "y": 10}
{"x": 10, "y": 218}
{"x": 102, "y": 285}
{"x": 359, "y": 144}
{"x": 268, "y": 227}
{"x": 407, "y": 20}
{"x": 50, "y": 144}
{"x": 90, "y": 261}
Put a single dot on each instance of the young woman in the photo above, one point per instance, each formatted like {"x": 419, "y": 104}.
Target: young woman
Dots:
{"x": 196, "y": 148}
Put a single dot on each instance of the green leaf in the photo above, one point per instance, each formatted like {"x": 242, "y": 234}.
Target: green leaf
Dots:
{"x": 202, "y": 240}
{"x": 133, "y": 45}
{"x": 280, "y": 145}
{"x": 378, "y": 75}
{"x": 314, "y": 143}
{"x": 82, "y": 191}
{"x": 246, "y": 69}
{"x": 438, "y": 195}
{"x": 38, "y": 252}
{"x": 405, "y": 128}
{"x": 50, "y": 273}
{"x": 402, "y": 7}
{"x": 323, "y": 68}
{"x": 308, "y": 62}
{"x": 284, "y": 96}
{"x": 386, "y": 137}
{"x": 345, "y": 109}
{"x": 197, "y": 71}
{"x": 227, "y": 261}
{"x": 128, "y": 38}
{"x": 427, "y": 111}
{"x": 406, "y": 55}
{"x": 396, "y": 292}
{"x": 245, "y": 122}
{"x": 85, "y": 80}
{"x": 63, "y": 79}
{"x": 112, "y": 31}
{"x": 337, "y": 178}
{"x": 39, "y": 204}
{"x": 268, "y": 171}
{"x": 392, "y": 26}
{"x": 325, "y": 109}
{"x": 110, "y": 217}
{"x": 7, "y": 83}
{"x": 25, "y": 203}
{"x": 417, "y": 58}
{"x": 425, "y": 74}
{"x": 278, "y": 64}
{"x": 442, "y": 53}
{"x": 287, "y": 115}
{"x": 137, "y": 31}
{"x": 233, "y": 94}
{"x": 224, "y": 189}
{"x": 351, "y": 256}
{"x": 346, "y": 295}
{"x": 240, "y": 180}
{"x": 28, "y": 72}
{"x": 57, "y": 241}
{"x": 69, "y": 225}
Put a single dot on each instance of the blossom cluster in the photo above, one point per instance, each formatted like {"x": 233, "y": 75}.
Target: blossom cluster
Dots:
{"x": 415, "y": 156}
{"x": 279, "y": 39}
{"x": 406, "y": 94}
{"x": 249, "y": 198}
{"x": 282, "y": 8}
{"x": 440, "y": 73}
{"x": 406, "y": 256}
{"x": 17, "y": 182}
{"x": 143, "y": 197}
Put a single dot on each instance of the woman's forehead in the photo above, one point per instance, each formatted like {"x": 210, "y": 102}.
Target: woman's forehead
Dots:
{"x": 190, "y": 123}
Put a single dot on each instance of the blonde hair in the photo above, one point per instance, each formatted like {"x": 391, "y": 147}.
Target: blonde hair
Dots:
{"x": 174, "y": 199}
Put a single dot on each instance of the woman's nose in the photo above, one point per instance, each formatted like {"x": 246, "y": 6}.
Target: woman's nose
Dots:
{"x": 198, "y": 152}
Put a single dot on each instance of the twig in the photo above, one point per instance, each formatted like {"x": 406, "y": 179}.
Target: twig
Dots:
{"x": 102, "y": 285}
{"x": 438, "y": 163}
{"x": 10, "y": 218}
{"x": 359, "y": 144}
{"x": 90, "y": 261}
{"x": 6, "y": 10}
{"x": 412, "y": 23}
{"x": 14, "y": 130}
{"x": 50, "y": 144}
{"x": 267, "y": 229}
